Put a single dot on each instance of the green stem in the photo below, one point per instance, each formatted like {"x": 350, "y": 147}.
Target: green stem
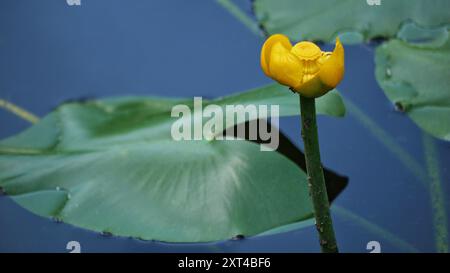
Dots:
{"x": 316, "y": 179}
{"x": 436, "y": 194}
{"x": 20, "y": 112}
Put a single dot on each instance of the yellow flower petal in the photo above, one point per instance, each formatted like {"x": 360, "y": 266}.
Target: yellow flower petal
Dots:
{"x": 332, "y": 70}
{"x": 313, "y": 88}
{"x": 304, "y": 67}
{"x": 284, "y": 67}
{"x": 267, "y": 48}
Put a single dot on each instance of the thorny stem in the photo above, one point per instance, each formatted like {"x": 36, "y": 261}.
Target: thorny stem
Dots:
{"x": 316, "y": 180}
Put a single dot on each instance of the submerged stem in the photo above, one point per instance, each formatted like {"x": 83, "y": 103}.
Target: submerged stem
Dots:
{"x": 316, "y": 179}
{"x": 20, "y": 112}
{"x": 436, "y": 194}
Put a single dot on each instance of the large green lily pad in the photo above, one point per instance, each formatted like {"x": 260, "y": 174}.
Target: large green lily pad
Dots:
{"x": 416, "y": 78}
{"x": 355, "y": 20}
{"x": 111, "y": 166}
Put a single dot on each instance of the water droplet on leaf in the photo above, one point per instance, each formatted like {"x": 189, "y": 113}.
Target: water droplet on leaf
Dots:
{"x": 388, "y": 72}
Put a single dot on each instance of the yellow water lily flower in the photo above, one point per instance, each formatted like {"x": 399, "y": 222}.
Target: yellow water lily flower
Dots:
{"x": 303, "y": 67}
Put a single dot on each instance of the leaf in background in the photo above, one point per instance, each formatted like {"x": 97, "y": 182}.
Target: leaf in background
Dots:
{"x": 423, "y": 37}
{"x": 275, "y": 94}
{"x": 112, "y": 166}
{"x": 323, "y": 20}
{"x": 335, "y": 183}
{"x": 417, "y": 80}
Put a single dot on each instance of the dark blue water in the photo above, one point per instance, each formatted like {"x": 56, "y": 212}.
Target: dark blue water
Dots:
{"x": 51, "y": 52}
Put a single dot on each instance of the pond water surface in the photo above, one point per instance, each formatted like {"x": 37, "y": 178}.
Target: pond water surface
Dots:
{"x": 51, "y": 52}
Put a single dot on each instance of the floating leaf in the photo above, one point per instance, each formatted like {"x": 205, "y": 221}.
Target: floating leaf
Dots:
{"x": 417, "y": 80}
{"x": 324, "y": 19}
{"x": 275, "y": 94}
{"x": 423, "y": 37}
{"x": 111, "y": 166}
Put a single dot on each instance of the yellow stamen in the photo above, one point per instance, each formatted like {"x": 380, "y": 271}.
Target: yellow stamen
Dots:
{"x": 306, "y": 51}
